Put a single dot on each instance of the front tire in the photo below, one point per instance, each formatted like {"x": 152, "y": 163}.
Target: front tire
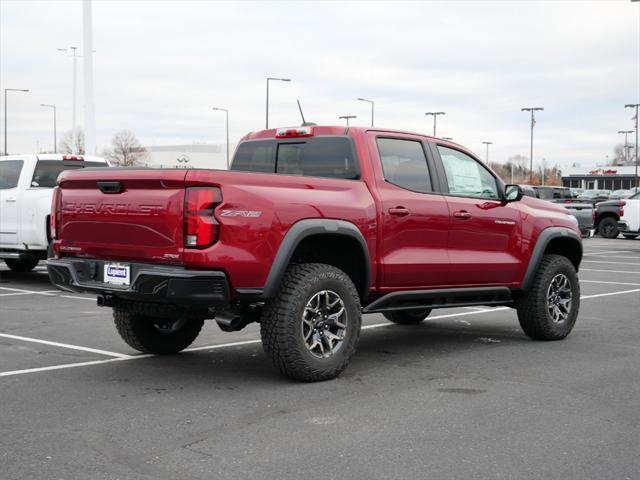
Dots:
{"x": 548, "y": 311}
{"x": 608, "y": 228}
{"x": 156, "y": 335}
{"x": 310, "y": 330}
{"x": 22, "y": 264}
{"x": 407, "y": 317}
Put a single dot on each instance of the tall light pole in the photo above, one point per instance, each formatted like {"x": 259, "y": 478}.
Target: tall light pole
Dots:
{"x": 226, "y": 113}
{"x": 625, "y": 132}
{"x": 89, "y": 107}
{"x": 5, "y": 112}
{"x": 74, "y": 55}
{"x": 372, "y": 106}
{"x": 533, "y": 122}
{"x": 347, "y": 117}
{"x": 487, "y": 144}
{"x": 635, "y": 105}
{"x": 268, "y": 80}
{"x": 435, "y": 115}
{"x": 55, "y": 142}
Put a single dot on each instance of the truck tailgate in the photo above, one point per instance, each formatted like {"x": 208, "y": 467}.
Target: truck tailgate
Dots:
{"x": 122, "y": 214}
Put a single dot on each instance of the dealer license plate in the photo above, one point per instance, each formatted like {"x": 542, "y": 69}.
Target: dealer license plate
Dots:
{"x": 117, "y": 273}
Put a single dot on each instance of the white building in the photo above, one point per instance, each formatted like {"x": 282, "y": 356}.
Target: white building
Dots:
{"x": 600, "y": 178}
{"x": 196, "y": 155}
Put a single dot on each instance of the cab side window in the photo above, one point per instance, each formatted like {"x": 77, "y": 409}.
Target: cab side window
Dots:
{"x": 466, "y": 176}
{"x": 404, "y": 164}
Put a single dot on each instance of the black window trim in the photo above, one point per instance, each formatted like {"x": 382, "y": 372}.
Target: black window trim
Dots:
{"x": 433, "y": 177}
{"x": 279, "y": 141}
{"x": 445, "y": 185}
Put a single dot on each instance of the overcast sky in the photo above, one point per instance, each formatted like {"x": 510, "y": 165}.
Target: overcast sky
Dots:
{"x": 161, "y": 66}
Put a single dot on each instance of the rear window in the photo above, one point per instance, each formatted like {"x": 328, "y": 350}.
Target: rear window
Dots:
{"x": 10, "y": 173}
{"x": 330, "y": 157}
{"x": 46, "y": 173}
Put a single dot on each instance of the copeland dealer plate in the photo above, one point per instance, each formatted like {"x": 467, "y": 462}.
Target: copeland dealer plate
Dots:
{"x": 117, "y": 274}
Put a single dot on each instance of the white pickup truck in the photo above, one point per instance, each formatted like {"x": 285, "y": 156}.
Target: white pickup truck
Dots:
{"x": 629, "y": 222}
{"x": 26, "y": 187}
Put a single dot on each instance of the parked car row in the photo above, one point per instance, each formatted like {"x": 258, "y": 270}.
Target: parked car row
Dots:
{"x": 583, "y": 211}
{"x": 608, "y": 214}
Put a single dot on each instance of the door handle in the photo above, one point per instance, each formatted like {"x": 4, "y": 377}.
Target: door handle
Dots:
{"x": 10, "y": 200}
{"x": 400, "y": 211}
{"x": 462, "y": 214}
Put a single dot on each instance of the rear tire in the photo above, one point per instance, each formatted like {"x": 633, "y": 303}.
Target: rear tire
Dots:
{"x": 608, "y": 228}
{"x": 310, "y": 330}
{"x": 629, "y": 236}
{"x": 407, "y": 317}
{"x": 155, "y": 335}
{"x": 22, "y": 264}
{"x": 548, "y": 311}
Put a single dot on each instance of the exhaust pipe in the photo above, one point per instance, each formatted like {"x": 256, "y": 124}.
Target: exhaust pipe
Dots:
{"x": 230, "y": 321}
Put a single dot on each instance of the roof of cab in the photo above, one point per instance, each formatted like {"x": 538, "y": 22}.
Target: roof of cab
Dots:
{"x": 344, "y": 130}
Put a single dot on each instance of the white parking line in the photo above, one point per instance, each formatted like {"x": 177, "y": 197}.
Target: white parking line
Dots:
{"x": 65, "y": 345}
{"x": 25, "y": 293}
{"x": 610, "y": 283}
{"x": 122, "y": 357}
{"x": 22, "y": 290}
{"x": 610, "y": 271}
{"x": 625, "y": 257}
{"x": 604, "y": 252}
{"x": 615, "y": 263}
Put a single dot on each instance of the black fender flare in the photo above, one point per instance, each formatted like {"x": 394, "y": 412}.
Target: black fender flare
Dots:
{"x": 306, "y": 228}
{"x": 544, "y": 238}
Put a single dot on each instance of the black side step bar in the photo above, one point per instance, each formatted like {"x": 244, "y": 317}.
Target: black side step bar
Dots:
{"x": 443, "y": 298}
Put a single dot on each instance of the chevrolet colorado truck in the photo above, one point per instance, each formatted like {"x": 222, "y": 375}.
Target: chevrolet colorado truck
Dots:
{"x": 26, "y": 186}
{"x": 311, "y": 228}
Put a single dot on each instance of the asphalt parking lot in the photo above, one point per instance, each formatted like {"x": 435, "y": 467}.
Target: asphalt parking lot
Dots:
{"x": 464, "y": 395}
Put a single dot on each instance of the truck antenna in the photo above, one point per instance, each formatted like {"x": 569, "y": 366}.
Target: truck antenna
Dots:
{"x": 301, "y": 114}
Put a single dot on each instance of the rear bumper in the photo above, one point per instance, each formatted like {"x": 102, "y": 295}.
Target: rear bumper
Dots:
{"x": 149, "y": 283}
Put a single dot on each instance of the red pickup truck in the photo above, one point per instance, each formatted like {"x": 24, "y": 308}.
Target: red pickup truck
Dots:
{"x": 312, "y": 227}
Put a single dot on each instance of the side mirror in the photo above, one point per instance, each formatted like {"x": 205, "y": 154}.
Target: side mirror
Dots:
{"x": 513, "y": 193}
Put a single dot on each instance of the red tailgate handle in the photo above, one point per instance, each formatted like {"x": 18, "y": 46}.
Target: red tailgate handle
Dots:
{"x": 400, "y": 211}
{"x": 462, "y": 214}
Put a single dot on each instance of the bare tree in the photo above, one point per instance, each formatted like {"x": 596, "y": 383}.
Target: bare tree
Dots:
{"x": 126, "y": 150}
{"x": 70, "y": 143}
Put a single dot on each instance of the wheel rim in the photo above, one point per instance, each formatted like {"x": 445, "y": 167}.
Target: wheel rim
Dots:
{"x": 324, "y": 324}
{"x": 559, "y": 298}
{"x": 169, "y": 326}
{"x": 609, "y": 228}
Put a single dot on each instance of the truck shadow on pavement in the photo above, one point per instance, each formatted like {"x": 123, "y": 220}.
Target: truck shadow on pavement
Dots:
{"x": 380, "y": 352}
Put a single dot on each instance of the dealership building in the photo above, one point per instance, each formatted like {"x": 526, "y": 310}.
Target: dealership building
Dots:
{"x": 196, "y": 155}
{"x": 600, "y": 178}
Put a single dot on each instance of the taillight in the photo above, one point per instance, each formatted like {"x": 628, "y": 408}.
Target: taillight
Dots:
{"x": 54, "y": 218}
{"x": 294, "y": 132}
{"x": 201, "y": 227}
{"x": 622, "y": 204}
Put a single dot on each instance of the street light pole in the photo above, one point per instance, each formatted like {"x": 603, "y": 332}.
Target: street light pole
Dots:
{"x": 372, "y": 104}
{"x": 268, "y": 80}
{"x": 347, "y": 117}
{"x": 74, "y": 55}
{"x": 226, "y": 112}
{"x": 55, "y": 148}
{"x": 487, "y": 144}
{"x": 635, "y": 105}
{"x": 626, "y": 157}
{"x": 533, "y": 122}
{"x": 5, "y": 112}
{"x": 435, "y": 115}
